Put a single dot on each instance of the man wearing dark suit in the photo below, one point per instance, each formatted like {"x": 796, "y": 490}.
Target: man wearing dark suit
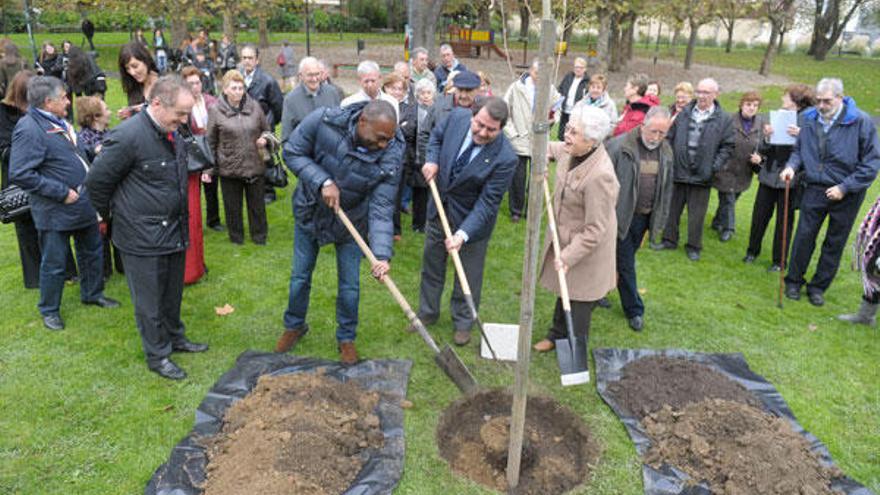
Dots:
{"x": 47, "y": 163}
{"x": 473, "y": 164}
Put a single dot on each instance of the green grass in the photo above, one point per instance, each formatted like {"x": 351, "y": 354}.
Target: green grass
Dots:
{"x": 80, "y": 413}
{"x": 859, "y": 74}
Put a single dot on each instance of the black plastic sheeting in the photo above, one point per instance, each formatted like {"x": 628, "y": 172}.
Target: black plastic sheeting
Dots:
{"x": 669, "y": 480}
{"x": 185, "y": 469}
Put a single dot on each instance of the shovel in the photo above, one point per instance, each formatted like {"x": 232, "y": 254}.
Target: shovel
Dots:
{"x": 446, "y": 359}
{"x": 459, "y": 268}
{"x": 571, "y": 353}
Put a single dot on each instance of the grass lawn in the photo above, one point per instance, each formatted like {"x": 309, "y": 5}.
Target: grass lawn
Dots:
{"x": 81, "y": 414}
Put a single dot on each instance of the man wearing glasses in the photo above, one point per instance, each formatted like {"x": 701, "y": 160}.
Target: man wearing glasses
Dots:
{"x": 838, "y": 149}
{"x": 473, "y": 164}
{"x": 308, "y": 96}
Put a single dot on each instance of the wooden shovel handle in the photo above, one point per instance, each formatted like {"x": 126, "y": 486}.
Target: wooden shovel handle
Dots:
{"x": 447, "y": 231}
{"x": 557, "y": 252}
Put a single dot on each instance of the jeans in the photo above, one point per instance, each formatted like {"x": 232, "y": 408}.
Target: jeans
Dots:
{"x": 626, "y": 265}
{"x": 725, "y": 214}
{"x": 348, "y": 260}
{"x": 55, "y": 246}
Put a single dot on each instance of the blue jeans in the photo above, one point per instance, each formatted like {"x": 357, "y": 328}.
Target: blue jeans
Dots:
{"x": 627, "y": 286}
{"x": 55, "y": 246}
{"x": 348, "y": 261}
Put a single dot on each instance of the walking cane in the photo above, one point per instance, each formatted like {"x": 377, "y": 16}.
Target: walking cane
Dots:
{"x": 784, "y": 253}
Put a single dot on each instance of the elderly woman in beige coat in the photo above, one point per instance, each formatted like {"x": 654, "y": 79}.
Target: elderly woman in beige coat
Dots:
{"x": 584, "y": 206}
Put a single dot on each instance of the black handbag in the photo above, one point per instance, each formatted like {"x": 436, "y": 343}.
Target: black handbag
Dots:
{"x": 14, "y": 203}
{"x": 198, "y": 154}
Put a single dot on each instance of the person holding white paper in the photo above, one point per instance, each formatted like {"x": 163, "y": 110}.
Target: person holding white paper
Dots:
{"x": 771, "y": 189}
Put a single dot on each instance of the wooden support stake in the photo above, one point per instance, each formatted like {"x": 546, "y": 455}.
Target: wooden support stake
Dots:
{"x": 540, "y": 133}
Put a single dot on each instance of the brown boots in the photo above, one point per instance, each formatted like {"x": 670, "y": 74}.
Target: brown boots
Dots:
{"x": 289, "y": 338}
{"x": 347, "y": 353}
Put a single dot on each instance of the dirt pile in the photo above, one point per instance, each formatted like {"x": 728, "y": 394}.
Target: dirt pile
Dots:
{"x": 737, "y": 449}
{"x": 294, "y": 434}
{"x": 650, "y": 383}
{"x": 558, "y": 450}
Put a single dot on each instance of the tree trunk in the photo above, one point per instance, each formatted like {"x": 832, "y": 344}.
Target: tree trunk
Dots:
{"x": 425, "y": 23}
{"x": 263, "y": 29}
{"x": 729, "y": 27}
{"x": 603, "y": 36}
{"x": 692, "y": 42}
{"x": 229, "y": 24}
{"x": 769, "y": 53}
{"x": 780, "y": 44}
{"x": 524, "y": 22}
{"x": 483, "y": 14}
{"x": 629, "y": 34}
{"x": 614, "y": 44}
{"x": 178, "y": 30}
{"x": 823, "y": 46}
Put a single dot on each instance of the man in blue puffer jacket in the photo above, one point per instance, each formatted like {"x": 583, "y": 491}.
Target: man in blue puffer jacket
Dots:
{"x": 347, "y": 158}
{"x": 838, "y": 149}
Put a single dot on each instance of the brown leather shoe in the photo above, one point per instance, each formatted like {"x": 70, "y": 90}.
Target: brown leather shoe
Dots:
{"x": 461, "y": 337}
{"x": 289, "y": 339}
{"x": 347, "y": 353}
{"x": 545, "y": 345}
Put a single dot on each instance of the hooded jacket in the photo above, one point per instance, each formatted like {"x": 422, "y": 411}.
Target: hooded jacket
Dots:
{"x": 634, "y": 113}
{"x": 851, "y": 156}
{"x": 324, "y": 146}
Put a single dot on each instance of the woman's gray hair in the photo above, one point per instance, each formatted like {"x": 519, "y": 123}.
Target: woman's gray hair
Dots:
{"x": 424, "y": 84}
{"x": 40, "y": 88}
{"x": 592, "y": 122}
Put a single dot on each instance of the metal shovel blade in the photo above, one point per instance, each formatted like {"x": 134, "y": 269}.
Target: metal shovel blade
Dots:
{"x": 572, "y": 362}
{"x": 451, "y": 364}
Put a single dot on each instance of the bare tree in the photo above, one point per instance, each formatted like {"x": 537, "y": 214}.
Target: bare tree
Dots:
{"x": 778, "y": 12}
{"x": 829, "y": 25}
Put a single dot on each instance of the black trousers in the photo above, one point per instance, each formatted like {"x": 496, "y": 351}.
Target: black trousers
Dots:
{"x": 697, "y": 200}
{"x": 156, "y": 287}
{"x": 111, "y": 254}
{"x": 815, "y": 206}
{"x": 234, "y": 190}
{"x": 398, "y": 205}
{"x": 419, "y": 207}
{"x": 563, "y": 121}
{"x": 473, "y": 257}
{"x": 212, "y": 204}
{"x": 725, "y": 214}
{"x": 516, "y": 197}
{"x": 766, "y": 200}
{"x": 581, "y": 315}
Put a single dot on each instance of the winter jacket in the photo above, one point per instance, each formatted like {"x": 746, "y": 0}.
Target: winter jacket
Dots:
{"x": 579, "y": 93}
{"x": 265, "y": 90}
{"x": 624, "y": 153}
{"x": 852, "y": 152}
{"x": 443, "y": 106}
{"x": 47, "y": 164}
{"x": 604, "y": 103}
{"x": 140, "y": 181}
{"x": 634, "y": 113}
{"x": 519, "y": 125}
{"x": 409, "y": 127}
{"x": 441, "y": 73}
{"x": 715, "y": 146}
{"x": 232, "y": 136}
{"x": 583, "y": 203}
{"x": 227, "y": 57}
{"x": 324, "y": 147}
{"x": 735, "y": 176}
{"x": 9, "y": 116}
{"x": 299, "y": 103}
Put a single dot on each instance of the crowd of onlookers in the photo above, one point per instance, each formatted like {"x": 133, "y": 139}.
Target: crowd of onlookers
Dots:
{"x": 664, "y": 160}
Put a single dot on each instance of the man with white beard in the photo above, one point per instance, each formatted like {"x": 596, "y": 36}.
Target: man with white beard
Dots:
{"x": 643, "y": 163}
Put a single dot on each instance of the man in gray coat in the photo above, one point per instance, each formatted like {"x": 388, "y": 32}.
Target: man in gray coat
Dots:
{"x": 306, "y": 97}
{"x": 643, "y": 163}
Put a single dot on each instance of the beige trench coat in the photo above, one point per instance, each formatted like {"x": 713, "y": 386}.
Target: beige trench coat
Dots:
{"x": 584, "y": 205}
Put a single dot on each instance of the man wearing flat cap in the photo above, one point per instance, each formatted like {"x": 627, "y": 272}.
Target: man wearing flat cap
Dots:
{"x": 467, "y": 86}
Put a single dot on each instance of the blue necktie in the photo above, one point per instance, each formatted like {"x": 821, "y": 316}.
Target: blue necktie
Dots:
{"x": 463, "y": 159}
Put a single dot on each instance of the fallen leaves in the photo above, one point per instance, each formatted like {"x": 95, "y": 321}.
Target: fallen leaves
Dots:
{"x": 224, "y": 310}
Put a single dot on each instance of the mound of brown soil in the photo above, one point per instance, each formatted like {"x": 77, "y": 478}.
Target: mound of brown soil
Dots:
{"x": 294, "y": 434}
{"x": 558, "y": 450}
{"x": 650, "y": 383}
{"x": 737, "y": 449}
